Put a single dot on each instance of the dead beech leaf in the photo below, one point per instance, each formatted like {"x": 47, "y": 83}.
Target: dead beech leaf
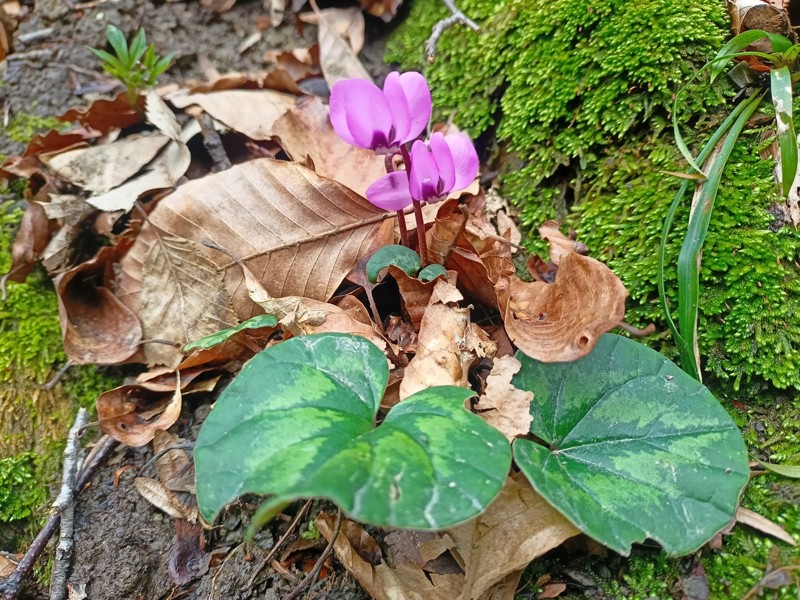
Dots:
{"x": 101, "y": 168}
{"x": 251, "y": 112}
{"x": 159, "y": 496}
{"x": 385, "y": 9}
{"x": 382, "y": 582}
{"x": 562, "y": 321}
{"x": 306, "y": 131}
{"x": 304, "y": 316}
{"x": 417, "y": 294}
{"x": 761, "y": 523}
{"x": 503, "y": 406}
{"x": 105, "y": 115}
{"x": 516, "y": 528}
{"x": 446, "y": 347}
{"x": 95, "y": 326}
{"x": 132, "y": 414}
{"x": 31, "y": 240}
{"x": 299, "y": 233}
{"x": 71, "y": 211}
{"x": 176, "y": 291}
{"x": 560, "y": 244}
{"x": 338, "y": 58}
{"x": 300, "y": 63}
{"x": 345, "y": 22}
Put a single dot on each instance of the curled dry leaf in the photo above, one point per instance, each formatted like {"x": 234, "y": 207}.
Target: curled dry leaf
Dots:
{"x": 761, "y": 523}
{"x": 306, "y": 131}
{"x": 298, "y": 232}
{"x": 503, "y": 406}
{"x": 339, "y": 57}
{"x": 385, "y": 9}
{"x": 560, "y": 322}
{"x": 105, "y": 115}
{"x": 560, "y": 244}
{"x": 446, "y": 347}
{"x": 159, "y": 496}
{"x": 95, "y": 326}
{"x": 417, "y": 294}
{"x": 251, "y": 112}
{"x": 71, "y": 211}
{"x": 31, "y": 240}
{"x": 132, "y": 414}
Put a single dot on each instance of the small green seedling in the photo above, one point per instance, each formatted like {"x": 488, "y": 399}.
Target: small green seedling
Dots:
{"x": 137, "y": 65}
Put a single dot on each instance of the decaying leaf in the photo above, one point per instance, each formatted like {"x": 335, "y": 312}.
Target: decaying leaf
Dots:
{"x": 491, "y": 550}
{"x": 448, "y": 344}
{"x": 385, "y": 9}
{"x": 560, "y": 322}
{"x": 159, "y": 496}
{"x": 187, "y": 556}
{"x": 251, "y": 112}
{"x": 306, "y": 131}
{"x": 503, "y": 406}
{"x": 495, "y": 547}
{"x": 96, "y": 327}
{"x": 560, "y": 244}
{"x": 338, "y": 58}
{"x": 30, "y": 242}
{"x": 417, "y": 294}
{"x": 71, "y": 211}
{"x": 176, "y": 291}
{"x": 132, "y": 414}
{"x": 298, "y": 232}
{"x": 105, "y": 115}
{"x": 756, "y": 521}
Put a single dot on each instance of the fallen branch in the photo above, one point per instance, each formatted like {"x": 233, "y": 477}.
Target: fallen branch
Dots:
{"x": 440, "y": 27}
{"x": 65, "y": 506}
{"x": 318, "y": 566}
{"x": 11, "y": 587}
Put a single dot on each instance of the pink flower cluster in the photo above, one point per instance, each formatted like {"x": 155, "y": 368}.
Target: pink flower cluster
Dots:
{"x": 387, "y": 121}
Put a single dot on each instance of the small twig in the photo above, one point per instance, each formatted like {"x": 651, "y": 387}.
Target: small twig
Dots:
{"x": 375, "y": 314}
{"x": 213, "y": 142}
{"x": 4, "y": 281}
{"x": 440, "y": 27}
{"x": 65, "y": 506}
{"x": 35, "y": 36}
{"x": 649, "y": 330}
{"x": 11, "y": 587}
{"x": 26, "y": 56}
{"x": 274, "y": 550}
{"x": 58, "y": 376}
{"x": 758, "y": 588}
{"x": 318, "y": 566}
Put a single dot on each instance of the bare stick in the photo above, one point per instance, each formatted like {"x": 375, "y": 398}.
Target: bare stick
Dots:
{"x": 58, "y": 376}
{"x": 65, "y": 506}
{"x": 213, "y": 142}
{"x": 318, "y": 566}
{"x": 292, "y": 526}
{"x": 11, "y": 587}
{"x": 456, "y": 17}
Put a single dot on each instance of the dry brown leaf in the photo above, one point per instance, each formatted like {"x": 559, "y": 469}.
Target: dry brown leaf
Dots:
{"x": 176, "y": 291}
{"x": 761, "y": 523}
{"x": 7, "y": 566}
{"x": 54, "y": 141}
{"x": 384, "y": 583}
{"x": 562, "y": 321}
{"x": 31, "y": 240}
{"x": 446, "y": 347}
{"x": 105, "y": 115}
{"x": 385, "y": 9}
{"x": 299, "y": 233}
{"x": 71, "y": 211}
{"x": 306, "y": 131}
{"x": 338, "y": 58}
{"x": 416, "y": 295}
{"x": 187, "y": 556}
{"x": 503, "y": 406}
{"x": 300, "y": 63}
{"x": 251, "y": 112}
{"x": 132, "y": 414}
{"x": 101, "y": 168}
{"x": 159, "y": 496}
{"x": 304, "y": 316}
{"x": 96, "y": 327}
{"x": 560, "y": 244}
{"x": 516, "y": 528}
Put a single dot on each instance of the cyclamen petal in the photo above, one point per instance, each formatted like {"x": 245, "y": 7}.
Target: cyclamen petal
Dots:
{"x": 423, "y": 176}
{"x": 417, "y": 98}
{"x": 390, "y": 192}
{"x": 398, "y": 105}
{"x": 360, "y": 113}
{"x": 465, "y": 159}
{"x": 444, "y": 161}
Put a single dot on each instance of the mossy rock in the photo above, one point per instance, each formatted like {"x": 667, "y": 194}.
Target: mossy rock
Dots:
{"x": 574, "y": 96}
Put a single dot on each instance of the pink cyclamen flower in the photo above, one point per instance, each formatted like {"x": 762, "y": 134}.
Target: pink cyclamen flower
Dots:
{"x": 366, "y": 116}
{"x": 439, "y": 166}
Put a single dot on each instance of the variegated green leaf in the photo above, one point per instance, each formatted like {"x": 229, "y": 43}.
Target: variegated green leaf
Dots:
{"x": 402, "y": 257}
{"x": 299, "y": 422}
{"x": 215, "y": 339}
{"x": 635, "y": 448}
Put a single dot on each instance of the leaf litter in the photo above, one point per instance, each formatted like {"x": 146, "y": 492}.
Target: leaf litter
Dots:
{"x": 198, "y": 252}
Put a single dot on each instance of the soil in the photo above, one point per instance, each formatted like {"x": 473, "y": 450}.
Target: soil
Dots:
{"x": 122, "y": 542}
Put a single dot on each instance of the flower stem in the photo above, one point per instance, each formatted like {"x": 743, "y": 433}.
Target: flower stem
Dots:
{"x": 401, "y": 219}
{"x": 422, "y": 248}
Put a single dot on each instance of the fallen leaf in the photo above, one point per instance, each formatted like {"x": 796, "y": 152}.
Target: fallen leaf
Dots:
{"x": 384, "y": 9}
{"x": 251, "y": 112}
{"x": 31, "y": 240}
{"x": 96, "y": 327}
{"x": 446, "y": 347}
{"x": 7, "y": 566}
{"x": 562, "y": 321}
{"x": 105, "y": 115}
{"x": 416, "y": 294}
{"x": 56, "y": 141}
{"x": 306, "y": 131}
{"x": 752, "y": 519}
{"x": 186, "y": 557}
{"x": 560, "y": 244}
{"x": 338, "y": 58}
{"x": 503, "y": 406}
{"x": 132, "y": 414}
{"x": 159, "y": 496}
{"x": 516, "y": 528}
{"x": 345, "y": 22}
{"x": 552, "y": 590}
{"x": 71, "y": 211}
{"x": 300, "y": 233}
{"x": 300, "y": 63}
{"x": 176, "y": 291}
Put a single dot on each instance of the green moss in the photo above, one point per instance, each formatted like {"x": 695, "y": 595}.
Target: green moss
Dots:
{"x": 23, "y": 127}
{"x": 19, "y": 491}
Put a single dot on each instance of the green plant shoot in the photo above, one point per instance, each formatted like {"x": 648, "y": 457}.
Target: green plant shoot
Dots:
{"x": 136, "y": 65}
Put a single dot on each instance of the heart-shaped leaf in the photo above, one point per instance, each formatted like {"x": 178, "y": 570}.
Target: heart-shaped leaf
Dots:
{"x": 400, "y": 256}
{"x": 637, "y": 448}
{"x": 298, "y": 422}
